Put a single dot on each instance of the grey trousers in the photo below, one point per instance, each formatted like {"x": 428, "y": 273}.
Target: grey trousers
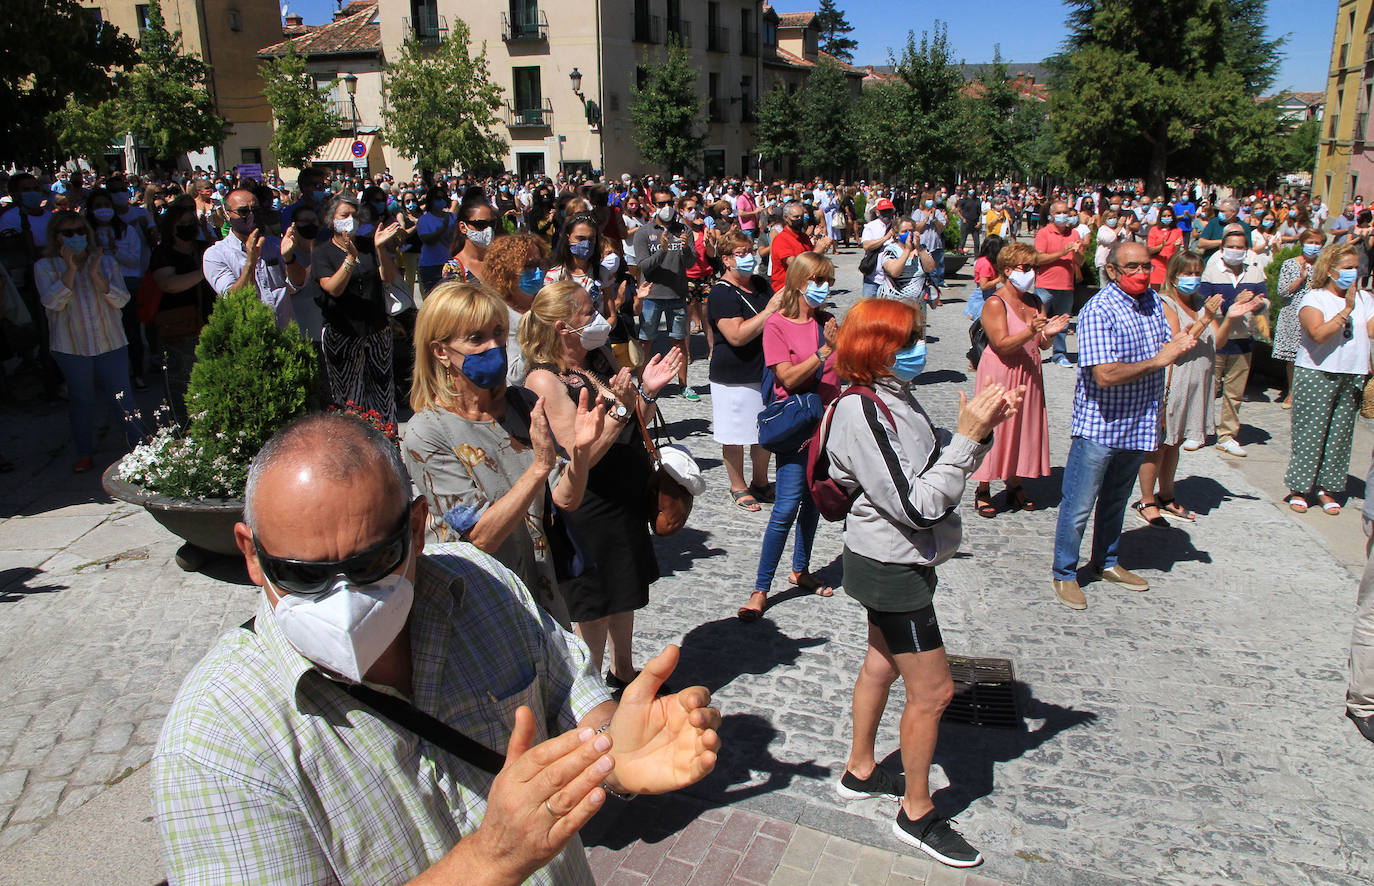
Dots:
{"x": 1359, "y": 698}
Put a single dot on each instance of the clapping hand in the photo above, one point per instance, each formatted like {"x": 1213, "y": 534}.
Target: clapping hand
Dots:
{"x": 988, "y": 409}
{"x": 541, "y": 438}
{"x": 1176, "y": 347}
{"x": 1038, "y": 324}
{"x": 663, "y": 743}
{"x": 383, "y": 236}
{"x": 1055, "y": 325}
{"x": 1212, "y": 305}
{"x": 623, "y": 387}
{"x": 832, "y": 332}
{"x": 660, "y": 370}
{"x": 1246, "y": 303}
{"x": 588, "y": 425}
{"x": 252, "y": 246}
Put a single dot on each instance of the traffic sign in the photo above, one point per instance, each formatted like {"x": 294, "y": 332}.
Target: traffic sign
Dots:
{"x": 360, "y": 163}
{"x": 359, "y": 149}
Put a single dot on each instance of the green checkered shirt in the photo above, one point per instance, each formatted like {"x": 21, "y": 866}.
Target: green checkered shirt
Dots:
{"x": 268, "y": 772}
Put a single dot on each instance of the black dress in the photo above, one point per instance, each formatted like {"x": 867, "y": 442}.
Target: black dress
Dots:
{"x": 612, "y": 523}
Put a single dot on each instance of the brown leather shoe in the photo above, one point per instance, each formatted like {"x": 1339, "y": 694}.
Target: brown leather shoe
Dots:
{"x": 1070, "y": 594}
{"x": 1122, "y": 576}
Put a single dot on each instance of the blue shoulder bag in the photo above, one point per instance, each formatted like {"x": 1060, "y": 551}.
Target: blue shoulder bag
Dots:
{"x": 786, "y": 425}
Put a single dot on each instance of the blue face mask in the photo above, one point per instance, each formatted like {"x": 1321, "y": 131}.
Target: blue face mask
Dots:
{"x": 531, "y": 281}
{"x": 412, "y": 206}
{"x": 1345, "y": 279}
{"x": 930, "y": 204}
{"x": 817, "y": 293}
{"x": 581, "y": 249}
{"x": 76, "y": 243}
{"x": 103, "y": 214}
{"x": 1061, "y": 219}
{"x": 1311, "y": 250}
{"x": 487, "y": 369}
{"x": 909, "y": 362}
{"x": 1188, "y": 285}
{"x": 320, "y": 194}
{"x": 276, "y": 203}
{"x": 33, "y": 199}
{"x": 745, "y": 264}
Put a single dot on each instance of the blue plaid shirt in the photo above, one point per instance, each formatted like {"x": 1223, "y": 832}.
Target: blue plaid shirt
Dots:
{"x": 1114, "y": 327}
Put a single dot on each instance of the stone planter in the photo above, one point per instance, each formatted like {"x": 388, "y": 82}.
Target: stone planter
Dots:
{"x": 954, "y": 261}
{"x": 206, "y": 526}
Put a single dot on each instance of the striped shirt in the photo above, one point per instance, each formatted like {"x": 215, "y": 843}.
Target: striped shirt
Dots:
{"x": 268, "y": 772}
{"x": 1114, "y": 327}
{"x": 80, "y": 322}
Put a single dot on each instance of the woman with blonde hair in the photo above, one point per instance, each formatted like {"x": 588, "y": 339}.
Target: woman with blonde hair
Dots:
{"x": 481, "y": 452}
{"x": 515, "y": 271}
{"x": 799, "y": 347}
{"x": 563, "y": 339}
{"x": 1337, "y": 320}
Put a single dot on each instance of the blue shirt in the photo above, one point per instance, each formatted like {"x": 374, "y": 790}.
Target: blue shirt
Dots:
{"x": 440, "y": 250}
{"x": 1114, "y": 327}
{"x": 1184, "y": 210}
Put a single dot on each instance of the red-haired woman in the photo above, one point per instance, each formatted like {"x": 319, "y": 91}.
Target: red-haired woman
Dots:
{"x": 903, "y": 522}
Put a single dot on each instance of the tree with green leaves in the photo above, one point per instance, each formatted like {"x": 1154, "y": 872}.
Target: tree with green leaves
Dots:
{"x": 303, "y": 119}
{"x": 834, "y": 30}
{"x": 775, "y": 133}
{"x": 164, "y": 100}
{"x": 1154, "y": 88}
{"x": 666, "y": 111}
{"x": 988, "y": 119}
{"x": 825, "y": 141}
{"x": 82, "y": 130}
{"x": 441, "y": 105}
{"x": 53, "y": 52}
{"x": 1300, "y": 147}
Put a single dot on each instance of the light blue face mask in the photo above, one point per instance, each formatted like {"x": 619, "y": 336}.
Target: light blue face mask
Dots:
{"x": 745, "y": 264}
{"x": 1345, "y": 279}
{"x": 909, "y": 362}
{"x": 1188, "y": 285}
{"x": 75, "y": 242}
{"x": 1311, "y": 250}
{"x": 817, "y": 293}
{"x": 531, "y": 281}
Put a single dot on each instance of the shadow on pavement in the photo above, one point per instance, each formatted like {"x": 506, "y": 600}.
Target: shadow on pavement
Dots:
{"x": 679, "y": 552}
{"x": 969, "y": 754}
{"x": 1150, "y": 547}
{"x": 1204, "y": 494}
{"x": 686, "y": 427}
{"x": 1046, "y": 492}
{"x": 1249, "y": 435}
{"x": 937, "y": 376}
{"x": 15, "y": 584}
{"x": 715, "y": 653}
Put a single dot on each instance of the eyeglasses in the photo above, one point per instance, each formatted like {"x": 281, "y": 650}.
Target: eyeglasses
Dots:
{"x": 663, "y": 202}
{"x": 308, "y": 578}
{"x": 1135, "y": 267}
{"x": 1026, "y": 266}
{"x": 479, "y": 224}
{"x": 243, "y": 211}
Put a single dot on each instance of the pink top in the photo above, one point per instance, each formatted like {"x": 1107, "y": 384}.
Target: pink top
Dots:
{"x": 983, "y": 269}
{"x": 793, "y": 341}
{"x": 1056, "y": 274}
{"x": 744, "y": 203}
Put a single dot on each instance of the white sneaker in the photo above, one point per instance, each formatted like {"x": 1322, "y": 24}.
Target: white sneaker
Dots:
{"x": 1191, "y": 445}
{"x": 1231, "y": 447}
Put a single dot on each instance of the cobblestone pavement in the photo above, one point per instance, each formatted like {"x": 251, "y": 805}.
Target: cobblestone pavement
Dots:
{"x": 1191, "y": 734}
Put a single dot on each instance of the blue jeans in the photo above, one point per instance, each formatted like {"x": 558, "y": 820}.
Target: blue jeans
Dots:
{"x": 870, "y": 290}
{"x": 1056, "y": 302}
{"x": 430, "y": 275}
{"x": 1094, "y": 474}
{"x": 673, "y": 312}
{"x": 791, "y": 496}
{"x": 974, "y": 309}
{"x": 111, "y": 369}
{"x": 937, "y": 273}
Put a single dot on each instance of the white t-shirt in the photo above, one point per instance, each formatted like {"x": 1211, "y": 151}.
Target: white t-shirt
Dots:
{"x": 1106, "y": 236}
{"x": 872, "y": 231}
{"x": 1337, "y": 353}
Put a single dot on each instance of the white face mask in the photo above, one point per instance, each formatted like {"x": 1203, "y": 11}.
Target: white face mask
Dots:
{"x": 611, "y": 263}
{"x": 1233, "y": 256}
{"x": 665, "y": 215}
{"x": 480, "y": 238}
{"x": 1023, "y": 281}
{"x": 346, "y": 629}
{"x": 596, "y": 333}
{"x": 343, "y": 225}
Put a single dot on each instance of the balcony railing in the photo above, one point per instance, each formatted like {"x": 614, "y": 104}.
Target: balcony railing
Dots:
{"x": 715, "y": 110}
{"x": 527, "y": 117}
{"x": 430, "y": 29}
{"x": 717, "y": 39}
{"x": 748, "y": 42}
{"x": 648, "y": 29}
{"x": 343, "y": 111}
{"x": 516, "y": 32}
{"x": 682, "y": 30}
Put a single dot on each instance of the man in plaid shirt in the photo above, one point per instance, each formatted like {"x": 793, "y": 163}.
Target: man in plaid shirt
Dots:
{"x": 272, "y": 769}
{"x": 1123, "y": 350}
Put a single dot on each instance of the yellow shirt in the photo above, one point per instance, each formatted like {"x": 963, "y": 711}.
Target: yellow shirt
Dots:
{"x": 993, "y": 221}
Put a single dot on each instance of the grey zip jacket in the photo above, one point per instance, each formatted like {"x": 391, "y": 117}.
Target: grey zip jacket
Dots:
{"x": 909, "y": 479}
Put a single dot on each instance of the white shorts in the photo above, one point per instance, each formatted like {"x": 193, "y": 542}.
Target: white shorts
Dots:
{"x": 735, "y": 413}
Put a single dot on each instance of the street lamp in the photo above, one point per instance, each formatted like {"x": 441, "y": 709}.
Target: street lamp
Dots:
{"x": 592, "y": 109}
{"x": 576, "y": 78}
{"x": 350, "y": 81}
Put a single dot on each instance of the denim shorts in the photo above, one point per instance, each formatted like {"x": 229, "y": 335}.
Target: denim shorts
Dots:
{"x": 674, "y": 313}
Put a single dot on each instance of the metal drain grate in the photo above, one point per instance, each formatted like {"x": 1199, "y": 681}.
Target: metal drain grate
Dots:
{"x": 984, "y": 693}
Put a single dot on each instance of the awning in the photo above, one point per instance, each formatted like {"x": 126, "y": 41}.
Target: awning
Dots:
{"x": 340, "y": 150}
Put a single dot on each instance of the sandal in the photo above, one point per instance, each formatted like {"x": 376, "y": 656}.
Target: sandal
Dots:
{"x": 748, "y": 612}
{"x": 1157, "y": 522}
{"x": 1174, "y": 509}
{"x": 744, "y": 500}
{"x": 1296, "y": 503}
{"x": 807, "y": 582}
{"x": 1019, "y": 499}
{"x": 766, "y": 493}
{"x": 1329, "y": 504}
{"x": 982, "y": 501}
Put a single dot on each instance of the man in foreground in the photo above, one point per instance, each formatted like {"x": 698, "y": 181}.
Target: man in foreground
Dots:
{"x": 276, "y": 765}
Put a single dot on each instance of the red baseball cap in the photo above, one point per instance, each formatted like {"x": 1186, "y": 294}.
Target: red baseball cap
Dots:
{"x": 883, "y": 203}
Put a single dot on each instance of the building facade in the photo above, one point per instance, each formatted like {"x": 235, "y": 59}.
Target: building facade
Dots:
{"x": 1345, "y": 151}
{"x": 227, "y": 35}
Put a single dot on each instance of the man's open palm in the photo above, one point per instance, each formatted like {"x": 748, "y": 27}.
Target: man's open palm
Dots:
{"x": 663, "y": 744}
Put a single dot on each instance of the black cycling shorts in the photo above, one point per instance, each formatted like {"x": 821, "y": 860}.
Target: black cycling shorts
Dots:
{"x": 914, "y": 631}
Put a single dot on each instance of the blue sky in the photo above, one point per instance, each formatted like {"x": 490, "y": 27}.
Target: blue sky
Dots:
{"x": 1028, "y": 30}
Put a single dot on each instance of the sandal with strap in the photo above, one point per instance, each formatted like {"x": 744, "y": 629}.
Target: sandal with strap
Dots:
{"x": 1157, "y": 522}
{"x": 748, "y": 613}
{"x": 765, "y": 493}
{"x": 807, "y": 582}
{"x": 982, "y": 502}
{"x": 1297, "y": 503}
{"x": 1329, "y": 504}
{"x": 744, "y": 500}
{"x": 1174, "y": 509}
{"x": 1019, "y": 499}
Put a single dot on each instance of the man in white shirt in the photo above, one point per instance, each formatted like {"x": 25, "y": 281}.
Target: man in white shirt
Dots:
{"x": 248, "y": 258}
{"x": 875, "y": 234}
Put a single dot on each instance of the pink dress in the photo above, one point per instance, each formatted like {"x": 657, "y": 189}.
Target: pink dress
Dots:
{"x": 1021, "y": 444}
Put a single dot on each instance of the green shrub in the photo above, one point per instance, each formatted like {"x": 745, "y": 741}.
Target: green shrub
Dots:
{"x": 1272, "y": 273}
{"x": 952, "y": 232}
{"x": 860, "y": 207}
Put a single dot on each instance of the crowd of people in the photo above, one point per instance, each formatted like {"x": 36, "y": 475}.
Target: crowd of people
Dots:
{"x": 516, "y": 326}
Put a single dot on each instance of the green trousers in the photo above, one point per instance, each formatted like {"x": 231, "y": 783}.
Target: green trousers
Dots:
{"x": 1324, "y": 408}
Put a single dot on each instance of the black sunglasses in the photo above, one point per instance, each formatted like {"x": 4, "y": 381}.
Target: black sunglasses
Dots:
{"x": 308, "y": 578}
{"x": 663, "y": 202}
{"x": 479, "y": 224}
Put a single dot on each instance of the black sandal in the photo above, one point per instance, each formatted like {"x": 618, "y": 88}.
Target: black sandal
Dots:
{"x": 1157, "y": 522}
{"x": 1017, "y": 495}
{"x": 1174, "y": 509}
{"x": 765, "y": 493}
{"x": 983, "y": 503}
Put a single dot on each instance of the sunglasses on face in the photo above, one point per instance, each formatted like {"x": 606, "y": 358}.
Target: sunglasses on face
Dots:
{"x": 479, "y": 224}
{"x": 308, "y": 578}
{"x": 663, "y": 202}
{"x": 243, "y": 211}
{"x": 1022, "y": 267}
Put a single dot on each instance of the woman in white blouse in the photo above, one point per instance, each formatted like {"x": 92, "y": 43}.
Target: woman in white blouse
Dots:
{"x": 82, "y": 291}
{"x": 1337, "y": 320}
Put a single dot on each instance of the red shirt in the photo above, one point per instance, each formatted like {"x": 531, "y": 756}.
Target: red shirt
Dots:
{"x": 1057, "y": 274}
{"x": 787, "y": 244}
{"x": 1172, "y": 238}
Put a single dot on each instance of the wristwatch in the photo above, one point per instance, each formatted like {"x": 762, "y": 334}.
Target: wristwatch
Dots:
{"x": 621, "y": 413}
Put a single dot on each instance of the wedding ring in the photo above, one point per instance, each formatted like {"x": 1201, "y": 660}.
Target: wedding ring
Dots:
{"x": 549, "y": 807}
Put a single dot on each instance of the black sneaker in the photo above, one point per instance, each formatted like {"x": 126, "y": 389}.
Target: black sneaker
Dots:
{"x": 618, "y": 686}
{"x": 1364, "y": 724}
{"x": 880, "y": 784}
{"x": 932, "y": 835}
